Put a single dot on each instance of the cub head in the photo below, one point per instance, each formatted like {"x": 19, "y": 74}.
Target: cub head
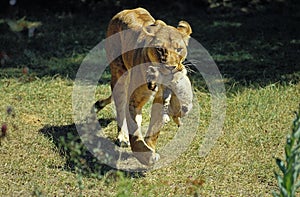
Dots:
{"x": 166, "y": 46}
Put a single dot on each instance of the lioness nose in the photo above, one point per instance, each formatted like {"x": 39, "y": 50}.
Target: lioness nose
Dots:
{"x": 152, "y": 86}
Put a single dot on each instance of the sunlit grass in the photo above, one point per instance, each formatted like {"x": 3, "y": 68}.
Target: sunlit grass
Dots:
{"x": 257, "y": 58}
{"x": 241, "y": 162}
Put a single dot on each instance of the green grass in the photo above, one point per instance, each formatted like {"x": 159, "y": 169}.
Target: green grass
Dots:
{"x": 288, "y": 178}
{"x": 261, "y": 74}
{"x": 241, "y": 162}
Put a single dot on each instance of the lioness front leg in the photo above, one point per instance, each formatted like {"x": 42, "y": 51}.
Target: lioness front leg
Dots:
{"x": 144, "y": 153}
{"x": 156, "y": 120}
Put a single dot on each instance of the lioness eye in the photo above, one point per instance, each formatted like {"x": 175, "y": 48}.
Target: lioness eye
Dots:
{"x": 178, "y": 50}
{"x": 160, "y": 50}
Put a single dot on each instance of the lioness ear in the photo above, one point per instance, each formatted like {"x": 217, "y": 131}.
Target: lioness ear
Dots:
{"x": 160, "y": 22}
{"x": 151, "y": 29}
{"x": 146, "y": 32}
{"x": 185, "y": 29}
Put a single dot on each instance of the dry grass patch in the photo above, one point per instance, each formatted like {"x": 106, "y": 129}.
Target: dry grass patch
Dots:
{"x": 240, "y": 164}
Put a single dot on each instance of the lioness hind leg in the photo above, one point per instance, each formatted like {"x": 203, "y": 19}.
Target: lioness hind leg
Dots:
{"x": 123, "y": 136}
{"x": 119, "y": 87}
{"x": 119, "y": 84}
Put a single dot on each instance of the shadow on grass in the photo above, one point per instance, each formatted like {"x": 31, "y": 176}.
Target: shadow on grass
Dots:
{"x": 78, "y": 158}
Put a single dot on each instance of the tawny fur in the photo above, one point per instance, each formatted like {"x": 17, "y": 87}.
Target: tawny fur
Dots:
{"x": 140, "y": 41}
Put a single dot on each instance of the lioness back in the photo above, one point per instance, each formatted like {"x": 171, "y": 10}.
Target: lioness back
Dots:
{"x": 128, "y": 23}
{"x": 130, "y": 19}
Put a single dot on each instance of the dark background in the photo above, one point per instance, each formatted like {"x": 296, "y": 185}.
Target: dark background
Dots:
{"x": 254, "y": 42}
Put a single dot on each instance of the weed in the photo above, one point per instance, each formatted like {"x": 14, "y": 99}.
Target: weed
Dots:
{"x": 9, "y": 122}
{"x": 288, "y": 182}
{"x": 75, "y": 153}
{"x": 37, "y": 192}
{"x": 125, "y": 186}
{"x": 3, "y": 133}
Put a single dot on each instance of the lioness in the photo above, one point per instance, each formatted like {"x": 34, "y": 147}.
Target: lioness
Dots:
{"x": 140, "y": 41}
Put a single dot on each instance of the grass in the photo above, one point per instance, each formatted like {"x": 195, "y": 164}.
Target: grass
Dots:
{"x": 241, "y": 162}
{"x": 261, "y": 74}
{"x": 288, "y": 183}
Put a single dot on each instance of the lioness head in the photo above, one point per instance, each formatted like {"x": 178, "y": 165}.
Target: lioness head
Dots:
{"x": 167, "y": 45}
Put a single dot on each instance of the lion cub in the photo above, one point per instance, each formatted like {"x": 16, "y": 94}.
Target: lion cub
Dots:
{"x": 177, "y": 93}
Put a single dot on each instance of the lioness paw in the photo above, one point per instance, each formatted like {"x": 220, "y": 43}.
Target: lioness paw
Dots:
{"x": 144, "y": 153}
{"x": 122, "y": 140}
{"x": 147, "y": 158}
{"x": 166, "y": 118}
{"x": 123, "y": 144}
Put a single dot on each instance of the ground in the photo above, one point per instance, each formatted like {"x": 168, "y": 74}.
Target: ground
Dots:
{"x": 257, "y": 55}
